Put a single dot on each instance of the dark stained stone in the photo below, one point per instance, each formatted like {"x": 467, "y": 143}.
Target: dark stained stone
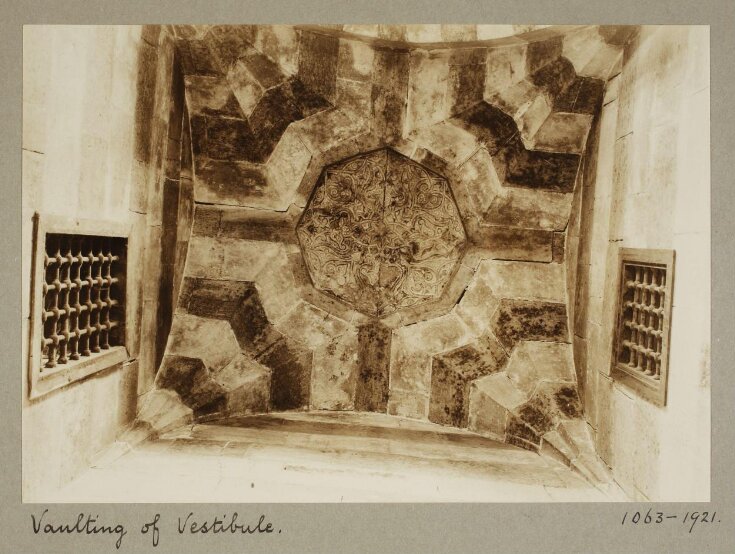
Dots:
{"x": 146, "y": 87}
{"x": 492, "y": 127}
{"x": 318, "y": 63}
{"x": 197, "y": 58}
{"x": 540, "y": 170}
{"x": 212, "y": 410}
{"x": 564, "y": 102}
{"x": 536, "y": 417}
{"x": 213, "y": 298}
{"x": 150, "y": 34}
{"x": 557, "y": 247}
{"x": 230, "y": 182}
{"x": 514, "y": 243}
{"x": 555, "y": 77}
{"x": 250, "y": 398}
{"x": 231, "y": 108}
{"x": 258, "y": 225}
{"x": 233, "y": 139}
{"x": 265, "y": 71}
{"x": 466, "y": 85}
{"x": 517, "y": 320}
{"x": 589, "y": 99}
{"x": 229, "y": 42}
{"x": 542, "y": 52}
{"x": 472, "y": 56}
{"x": 389, "y": 93}
{"x": 198, "y": 134}
{"x": 550, "y": 404}
{"x": 567, "y": 400}
{"x": 452, "y": 374}
{"x": 251, "y": 326}
{"x": 291, "y": 374}
{"x": 275, "y": 111}
{"x": 206, "y": 221}
{"x": 373, "y": 359}
{"x": 307, "y": 101}
{"x": 519, "y": 434}
{"x": 190, "y": 379}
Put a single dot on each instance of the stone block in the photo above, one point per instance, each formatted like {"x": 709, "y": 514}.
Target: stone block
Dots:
{"x": 452, "y": 374}
{"x": 374, "y": 347}
{"x": 427, "y": 89}
{"x": 465, "y": 86}
{"x": 542, "y": 52}
{"x": 518, "y": 320}
{"x": 290, "y": 366}
{"x": 245, "y": 87}
{"x": 318, "y": 57}
{"x": 408, "y": 404}
{"x": 241, "y": 374}
{"x": 563, "y": 132}
{"x": 310, "y": 326}
{"x": 355, "y": 60}
{"x": 512, "y": 243}
{"x": 532, "y": 363}
{"x": 478, "y": 180}
{"x": 448, "y": 141}
{"x": 550, "y": 404}
{"x": 514, "y": 279}
{"x": 262, "y": 68}
{"x": 279, "y": 43}
{"x": 477, "y": 304}
{"x": 530, "y": 209}
{"x": 554, "y": 78}
{"x": 287, "y": 164}
{"x": 244, "y": 260}
{"x": 557, "y": 248}
{"x": 335, "y": 373}
{"x": 190, "y": 379}
{"x": 205, "y": 257}
{"x": 389, "y": 93}
{"x": 505, "y": 67}
{"x": 493, "y": 399}
{"x": 210, "y": 340}
{"x": 162, "y": 410}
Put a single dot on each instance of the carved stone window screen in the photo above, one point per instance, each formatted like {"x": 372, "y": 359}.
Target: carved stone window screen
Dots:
{"x": 640, "y": 358}
{"x": 77, "y": 300}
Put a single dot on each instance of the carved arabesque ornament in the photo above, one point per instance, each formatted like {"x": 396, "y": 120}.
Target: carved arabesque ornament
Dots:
{"x": 381, "y": 232}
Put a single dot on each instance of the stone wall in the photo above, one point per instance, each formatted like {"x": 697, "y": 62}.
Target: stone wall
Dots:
{"x": 95, "y": 145}
{"x": 648, "y": 187}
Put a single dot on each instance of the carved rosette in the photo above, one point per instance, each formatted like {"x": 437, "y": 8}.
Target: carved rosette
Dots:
{"x": 381, "y": 232}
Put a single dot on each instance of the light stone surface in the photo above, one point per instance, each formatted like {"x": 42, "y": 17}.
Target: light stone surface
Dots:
{"x": 334, "y": 373}
{"x": 310, "y": 326}
{"x": 535, "y": 361}
{"x": 526, "y": 280}
{"x": 530, "y": 209}
{"x": 211, "y": 340}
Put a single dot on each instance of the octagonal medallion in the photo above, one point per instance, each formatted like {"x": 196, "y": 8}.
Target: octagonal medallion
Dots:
{"x": 381, "y": 232}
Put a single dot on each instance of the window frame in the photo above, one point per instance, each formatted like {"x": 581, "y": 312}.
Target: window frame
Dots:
{"x": 42, "y": 382}
{"x": 654, "y": 392}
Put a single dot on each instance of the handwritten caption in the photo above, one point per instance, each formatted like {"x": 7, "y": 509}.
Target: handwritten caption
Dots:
{"x": 652, "y": 517}
{"x": 88, "y": 524}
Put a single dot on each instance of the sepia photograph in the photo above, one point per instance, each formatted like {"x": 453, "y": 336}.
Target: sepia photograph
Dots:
{"x": 362, "y": 263}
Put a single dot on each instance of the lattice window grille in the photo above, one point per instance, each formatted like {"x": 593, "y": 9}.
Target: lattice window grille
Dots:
{"x": 642, "y": 317}
{"x": 640, "y": 355}
{"x": 82, "y": 303}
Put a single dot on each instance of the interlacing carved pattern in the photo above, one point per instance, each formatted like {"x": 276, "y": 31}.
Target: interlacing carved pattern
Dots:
{"x": 381, "y": 232}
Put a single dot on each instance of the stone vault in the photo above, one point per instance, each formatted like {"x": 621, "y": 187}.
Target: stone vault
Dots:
{"x": 382, "y": 227}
